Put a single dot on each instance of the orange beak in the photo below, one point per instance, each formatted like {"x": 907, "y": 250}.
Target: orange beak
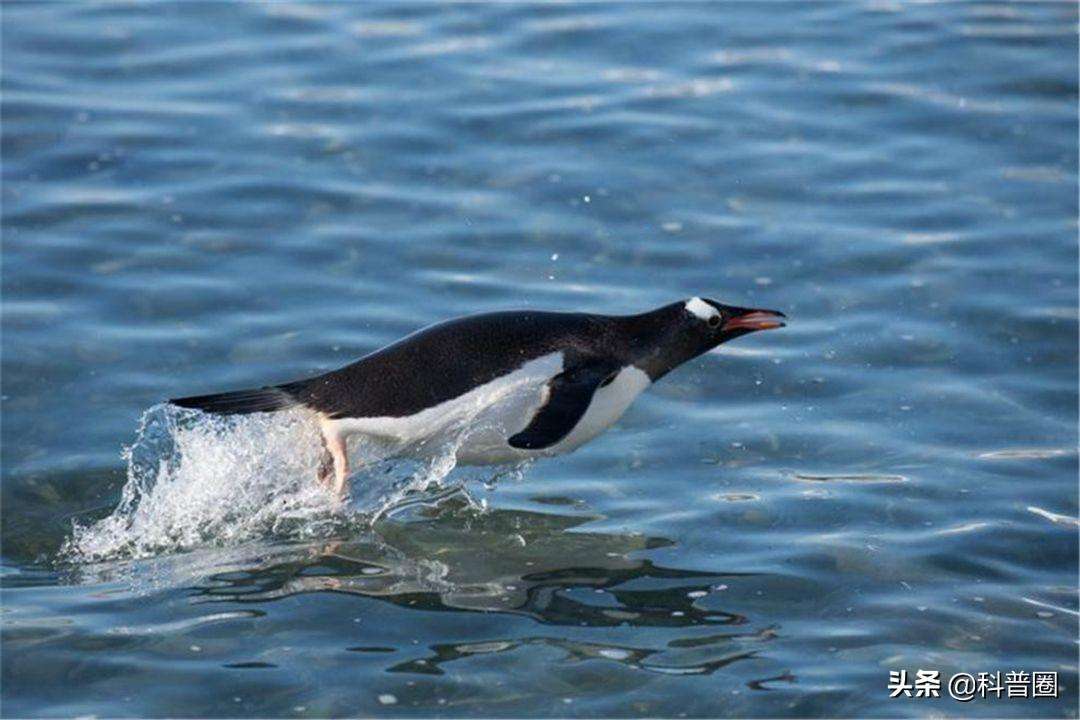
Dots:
{"x": 755, "y": 320}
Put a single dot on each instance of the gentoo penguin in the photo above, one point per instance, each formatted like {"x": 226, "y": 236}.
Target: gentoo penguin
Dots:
{"x": 501, "y": 387}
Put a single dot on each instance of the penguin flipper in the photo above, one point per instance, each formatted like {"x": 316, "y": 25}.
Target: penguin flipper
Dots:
{"x": 569, "y": 395}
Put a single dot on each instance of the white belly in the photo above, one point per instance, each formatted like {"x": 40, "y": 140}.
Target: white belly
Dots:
{"x": 476, "y": 425}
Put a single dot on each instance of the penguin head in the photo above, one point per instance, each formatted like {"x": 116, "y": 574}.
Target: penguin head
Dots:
{"x": 713, "y": 323}
{"x": 696, "y": 326}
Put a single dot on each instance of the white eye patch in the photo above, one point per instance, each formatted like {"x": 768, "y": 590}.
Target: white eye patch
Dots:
{"x": 701, "y": 309}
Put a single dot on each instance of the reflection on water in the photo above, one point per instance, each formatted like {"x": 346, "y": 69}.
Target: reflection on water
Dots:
{"x": 524, "y": 563}
{"x": 451, "y": 556}
{"x": 499, "y": 560}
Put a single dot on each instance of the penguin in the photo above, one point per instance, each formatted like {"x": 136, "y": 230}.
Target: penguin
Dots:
{"x": 502, "y": 387}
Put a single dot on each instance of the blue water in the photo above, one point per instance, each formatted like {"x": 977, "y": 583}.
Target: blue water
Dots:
{"x": 202, "y": 196}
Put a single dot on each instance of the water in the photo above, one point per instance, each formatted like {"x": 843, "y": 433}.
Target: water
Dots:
{"x": 205, "y": 196}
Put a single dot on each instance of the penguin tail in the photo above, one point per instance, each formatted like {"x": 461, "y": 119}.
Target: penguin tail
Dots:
{"x": 242, "y": 402}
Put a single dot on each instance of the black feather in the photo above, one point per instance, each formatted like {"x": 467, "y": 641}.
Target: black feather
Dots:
{"x": 238, "y": 402}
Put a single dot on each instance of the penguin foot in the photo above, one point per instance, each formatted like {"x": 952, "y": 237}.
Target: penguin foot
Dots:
{"x": 334, "y": 468}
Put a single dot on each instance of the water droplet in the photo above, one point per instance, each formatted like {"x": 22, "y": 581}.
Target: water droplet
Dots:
{"x": 615, "y": 653}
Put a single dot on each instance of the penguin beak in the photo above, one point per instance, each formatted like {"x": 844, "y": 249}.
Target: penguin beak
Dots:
{"x": 749, "y": 320}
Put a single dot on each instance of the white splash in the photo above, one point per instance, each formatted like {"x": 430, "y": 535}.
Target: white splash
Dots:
{"x": 196, "y": 480}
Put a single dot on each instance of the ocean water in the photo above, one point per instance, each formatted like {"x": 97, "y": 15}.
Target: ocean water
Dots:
{"x": 202, "y": 196}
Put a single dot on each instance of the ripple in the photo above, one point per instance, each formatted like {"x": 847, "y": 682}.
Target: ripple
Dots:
{"x": 930, "y": 238}
{"x": 1058, "y": 608}
{"x": 568, "y": 24}
{"x": 184, "y": 625}
{"x": 1054, "y": 517}
{"x": 385, "y": 28}
{"x": 1016, "y": 30}
{"x": 298, "y": 10}
{"x": 451, "y": 46}
{"x": 851, "y": 478}
{"x": 737, "y": 497}
{"x": 1036, "y": 174}
{"x": 693, "y": 88}
{"x": 1026, "y": 453}
{"x": 939, "y": 98}
{"x": 963, "y": 528}
{"x": 783, "y": 57}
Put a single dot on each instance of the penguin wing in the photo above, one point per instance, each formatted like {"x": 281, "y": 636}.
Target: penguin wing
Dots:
{"x": 569, "y": 395}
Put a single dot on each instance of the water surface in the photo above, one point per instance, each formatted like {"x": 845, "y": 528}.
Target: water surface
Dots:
{"x": 201, "y": 196}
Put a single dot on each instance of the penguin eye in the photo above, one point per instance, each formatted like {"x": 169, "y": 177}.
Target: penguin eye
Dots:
{"x": 714, "y": 321}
